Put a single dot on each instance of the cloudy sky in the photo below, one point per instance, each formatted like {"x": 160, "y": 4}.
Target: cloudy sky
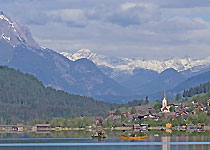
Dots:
{"x": 151, "y": 29}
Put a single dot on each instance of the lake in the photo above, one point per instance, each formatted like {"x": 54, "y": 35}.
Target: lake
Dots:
{"x": 151, "y": 143}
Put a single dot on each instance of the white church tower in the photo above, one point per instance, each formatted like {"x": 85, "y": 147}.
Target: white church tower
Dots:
{"x": 165, "y": 108}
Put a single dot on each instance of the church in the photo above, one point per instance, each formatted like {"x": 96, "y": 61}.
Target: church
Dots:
{"x": 164, "y": 108}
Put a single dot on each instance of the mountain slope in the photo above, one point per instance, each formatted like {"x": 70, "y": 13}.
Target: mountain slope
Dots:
{"x": 24, "y": 97}
{"x": 139, "y": 78}
{"x": 20, "y": 51}
{"x": 168, "y": 79}
{"x": 192, "y": 82}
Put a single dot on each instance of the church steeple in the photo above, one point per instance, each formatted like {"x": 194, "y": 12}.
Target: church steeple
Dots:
{"x": 165, "y": 107}
{"x": 164, "y": 94}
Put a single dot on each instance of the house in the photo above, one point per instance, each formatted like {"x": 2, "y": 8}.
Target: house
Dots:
{"x": 152, "y": 111}
{"x": 188, "y": 127}
{"x": 195, "y": 104}
{"x": 182, "y": 112}
{"x": 170, "y": 114}
{"x": 158, "y": 116}
{"x": 176, "y": 105}
{"x": 191, "y": 127}
{"x": 200, "y": 127}
{"x": 168, "y": 130}
{"x": 42, "y": 127}
{"x": 200, "y": 107}
{"x": 136, "y": 127}
{"x": 186, "y": 116}
{"x": 132, "y": 117}
{"x": 194, "y": 112}
{"x": 141, "y": 116}
{"x": 208, "y": 102}
{"x": 168, "y": 125}
{"x": 125, "y": 114}
{"x": 144, "y": 127}
{"x": 114, "y": 117}
{"x": 99, "y": 120}
{"x": 20, "y": 127}
{"x": 145, "y": 110}
{"x": 111, "y": 112}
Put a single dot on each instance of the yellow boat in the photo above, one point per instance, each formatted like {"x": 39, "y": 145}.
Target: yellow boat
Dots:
{"x": 133, "y": 138}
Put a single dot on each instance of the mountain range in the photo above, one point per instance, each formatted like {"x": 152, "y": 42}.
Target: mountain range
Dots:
{"x": 89, "y": 74}
{"x": 149, "y": 77}
{"x": 19, "y": 50}
{"x": 128, "y": 65}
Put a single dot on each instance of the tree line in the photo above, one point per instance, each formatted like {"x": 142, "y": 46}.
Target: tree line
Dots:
{"x": 202, "y": 88}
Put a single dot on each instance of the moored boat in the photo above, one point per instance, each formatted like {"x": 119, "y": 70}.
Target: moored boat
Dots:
{"x": 99, "y": 134}
{"x": 133, "y": 138}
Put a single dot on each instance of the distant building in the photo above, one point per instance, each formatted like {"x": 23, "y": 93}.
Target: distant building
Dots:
{"x": 170, "y": 114}
{"x": 42, "y": 127}
{"x": 145, "y": 110}
{"x": 208, "y": 102}
{"x": 165, "y": 107}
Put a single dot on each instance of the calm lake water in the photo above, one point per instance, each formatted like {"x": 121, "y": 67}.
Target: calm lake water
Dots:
{"x": 152, "y": 143}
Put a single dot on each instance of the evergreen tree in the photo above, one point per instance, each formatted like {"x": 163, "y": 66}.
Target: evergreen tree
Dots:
{"x": 117, "y": 112}
{"x": 133, "y": 110}
{"x": 147, "y": 100}
{"x": 178, "y": 97}
{"x": 157, "y": 105}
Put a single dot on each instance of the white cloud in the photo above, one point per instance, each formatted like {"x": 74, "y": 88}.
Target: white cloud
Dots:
{"x": 127, "y": 6}
{"x": 73, "y": 17}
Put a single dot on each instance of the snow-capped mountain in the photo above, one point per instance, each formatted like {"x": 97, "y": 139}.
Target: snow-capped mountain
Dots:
{"x": 117, "y": 65}
{"x": 128, "y": 65}
{"x": 148, "y": 77}
{"x": 14, "y": 33}
{"x": 18, "y": 50}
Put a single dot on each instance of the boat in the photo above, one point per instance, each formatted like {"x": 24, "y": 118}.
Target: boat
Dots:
{"x": 133, "y": 138}
{"x": 99, "y": 134}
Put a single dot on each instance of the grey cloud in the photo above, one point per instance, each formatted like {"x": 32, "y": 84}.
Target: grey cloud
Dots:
{"x": 184, "y": 3}
{"x": 177, "y": 24}
{"x": 134, "y": 14}
{"x": 143, "y": 28}
{"x": 72, "y": 17}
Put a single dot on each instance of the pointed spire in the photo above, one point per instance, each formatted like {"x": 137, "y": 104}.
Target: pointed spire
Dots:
{"x": 164, "y": 94}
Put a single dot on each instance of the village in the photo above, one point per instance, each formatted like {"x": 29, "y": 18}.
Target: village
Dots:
{"x": 187, "y": 117}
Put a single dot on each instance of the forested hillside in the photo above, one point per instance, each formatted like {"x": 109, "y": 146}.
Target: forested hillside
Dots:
{"x": 24, "y": 98}
{"x": 202, "y": 88}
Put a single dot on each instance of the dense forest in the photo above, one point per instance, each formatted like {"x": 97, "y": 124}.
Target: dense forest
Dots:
{"x": 202, "y": 88}
{"x": 23, "y": 98}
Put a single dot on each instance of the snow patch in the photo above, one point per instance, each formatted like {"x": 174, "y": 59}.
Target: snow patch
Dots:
{"x": 6, "y": 37}
{"x": 3, "y": 17}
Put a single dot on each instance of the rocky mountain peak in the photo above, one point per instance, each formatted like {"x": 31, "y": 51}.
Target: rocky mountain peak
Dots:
{"x": 14, "y": 33}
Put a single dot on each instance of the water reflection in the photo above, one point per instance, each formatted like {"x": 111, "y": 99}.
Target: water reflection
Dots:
{"x": 67, "y": 140}
{"x": 153, "y": 143}
{"x": 166, "y": 139}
